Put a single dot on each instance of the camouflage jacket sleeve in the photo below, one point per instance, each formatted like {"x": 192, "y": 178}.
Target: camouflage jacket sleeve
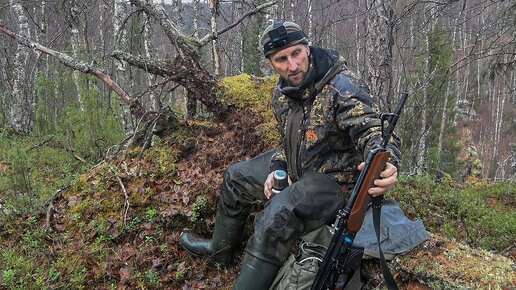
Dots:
{"x": 357, "y": 115}
{"x": 280, "y": 112}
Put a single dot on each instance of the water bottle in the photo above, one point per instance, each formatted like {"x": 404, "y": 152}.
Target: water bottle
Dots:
{"x": 279, "y": 181}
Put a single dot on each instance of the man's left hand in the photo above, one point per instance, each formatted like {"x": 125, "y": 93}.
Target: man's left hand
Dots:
{"x": 389, "y": 177}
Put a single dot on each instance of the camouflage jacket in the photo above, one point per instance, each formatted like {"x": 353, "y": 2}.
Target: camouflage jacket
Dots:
{"x": 328, "y": 124}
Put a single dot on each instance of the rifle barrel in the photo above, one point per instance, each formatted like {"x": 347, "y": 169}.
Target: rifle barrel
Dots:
{"x": 393, "y": 120}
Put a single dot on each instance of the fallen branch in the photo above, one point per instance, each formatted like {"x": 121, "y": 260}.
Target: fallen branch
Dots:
{"x": 162, "y": 68}
{"x": 185, "y": 45}
{"x": 136, "y": 108}
{"x": 41, "y": 144}
{"x": 127, "y": 204}
{"x": 75, "y": 155}
{"x": 50, "y": 209}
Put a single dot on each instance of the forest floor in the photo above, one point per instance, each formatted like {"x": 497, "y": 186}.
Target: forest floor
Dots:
{"x": 118, "y": 225}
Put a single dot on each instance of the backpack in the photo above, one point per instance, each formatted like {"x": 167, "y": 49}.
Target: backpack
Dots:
{"x": 398, "y": 235}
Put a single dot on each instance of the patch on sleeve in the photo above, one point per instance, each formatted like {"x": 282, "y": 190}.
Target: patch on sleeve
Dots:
{"x": 311, "y": 136}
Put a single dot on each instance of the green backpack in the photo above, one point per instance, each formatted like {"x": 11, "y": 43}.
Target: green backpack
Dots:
{"x": 398, "y": 235}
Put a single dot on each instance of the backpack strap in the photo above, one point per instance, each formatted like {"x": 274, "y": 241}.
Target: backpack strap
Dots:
{"x": 377, "y": 202}
{"x": 355, "y": 283}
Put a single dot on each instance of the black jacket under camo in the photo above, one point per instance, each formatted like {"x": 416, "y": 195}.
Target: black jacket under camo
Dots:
{"x": 328, "y": 124}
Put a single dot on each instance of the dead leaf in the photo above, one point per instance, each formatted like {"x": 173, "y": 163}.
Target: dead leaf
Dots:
{"x": 125, "y": 274}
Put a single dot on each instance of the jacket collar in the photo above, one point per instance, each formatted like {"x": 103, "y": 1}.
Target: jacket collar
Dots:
{"x": 322, "y": 63}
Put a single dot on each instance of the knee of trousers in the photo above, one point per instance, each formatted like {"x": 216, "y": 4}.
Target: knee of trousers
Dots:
{"x": 242, "y": 186}
{"x": 317, "y": 198}
{"x": 275, "y": 232}
{"x": 305, "y": 206}
{"x": 231, "y": 202}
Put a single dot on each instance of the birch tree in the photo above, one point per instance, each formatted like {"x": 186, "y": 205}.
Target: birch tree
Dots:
{"x": 20, "y": 105}
{"x": 121, "y": 68}
{"x": 77, "y": 45}
{"x": 196, "y": 16}
{"x": 214, "y": 9}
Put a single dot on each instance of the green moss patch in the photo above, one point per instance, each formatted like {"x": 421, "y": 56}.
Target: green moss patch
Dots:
{"x": 481, "y": 216}
{"x": 248, "y": 92}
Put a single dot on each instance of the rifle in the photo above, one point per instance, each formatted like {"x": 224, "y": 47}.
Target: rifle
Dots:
{"x": 350, "y": 219}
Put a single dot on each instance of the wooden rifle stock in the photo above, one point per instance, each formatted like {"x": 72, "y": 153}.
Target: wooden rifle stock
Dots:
{"x": 358, "y": 211}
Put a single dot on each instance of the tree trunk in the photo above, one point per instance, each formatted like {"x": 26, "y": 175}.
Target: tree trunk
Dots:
{"x": 196, "y": 17}
{"x": 214, "y": 6}
{"x": 498, "y": 98}
{"x": 155, "y": 101}
{"x": 358, "y": 40}
{"x": 177, "y": 6}
{"x": 121, "y": 75}
{"x": 20, "y": 106}
{"x": 75, "y": 41}
{"x": 425, "y": 129}
{"x": 310, "y": 21}
{"x": 379, "y": 50}
{"x": 446, "y": 98}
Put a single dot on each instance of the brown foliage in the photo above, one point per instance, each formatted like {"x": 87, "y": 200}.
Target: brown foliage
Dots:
{"x": 88, "y": 224}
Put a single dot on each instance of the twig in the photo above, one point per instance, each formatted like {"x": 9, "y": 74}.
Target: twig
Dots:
{"x": 140, "y": 121}
{"x": 75, "y": 155}
{"x": 41, "y": 144}
{"x": 50, "y": 208}
{"x": 150, "y": 132}
{"x": 97, "y": 165}
{"x": 127, "y": 204}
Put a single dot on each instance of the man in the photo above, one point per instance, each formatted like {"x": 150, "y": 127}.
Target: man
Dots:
{"x": 328, "y": 125}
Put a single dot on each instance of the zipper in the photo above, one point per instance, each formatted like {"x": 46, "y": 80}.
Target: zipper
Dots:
{"x": 302, "y": 139}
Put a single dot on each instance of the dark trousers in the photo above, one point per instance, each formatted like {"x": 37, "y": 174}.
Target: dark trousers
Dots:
{"x": 307, "y": 204}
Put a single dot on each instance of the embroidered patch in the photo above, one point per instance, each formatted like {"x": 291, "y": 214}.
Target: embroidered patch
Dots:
{"x": 311, "y": 136}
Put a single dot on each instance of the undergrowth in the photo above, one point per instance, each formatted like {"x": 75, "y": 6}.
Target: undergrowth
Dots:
{"x": 33, "y": 168}
{"x": 480, "y": 215}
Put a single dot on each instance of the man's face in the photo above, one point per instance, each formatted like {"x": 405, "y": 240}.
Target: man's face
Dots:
{"x": 291, "y": 63}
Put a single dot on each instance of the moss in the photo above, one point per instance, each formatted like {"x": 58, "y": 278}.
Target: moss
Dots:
{"x": 459, "y": 266}
{"x": 164, "y": 160}
{"x": 199, "y": 208}
{"x": 248, "y": 92}
{"x": 80, "y": 183}
{"x": 481, "y": 215}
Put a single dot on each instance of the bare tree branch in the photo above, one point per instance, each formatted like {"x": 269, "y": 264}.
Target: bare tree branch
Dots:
{"x": 199, "y": 84}
{"x": 158, "y": 67}
{"x": 183, "y": 43}
{"x": 124, "y": 191}
{"x": 209, "y": 37}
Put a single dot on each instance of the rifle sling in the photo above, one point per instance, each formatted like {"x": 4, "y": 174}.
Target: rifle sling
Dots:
{"x": 387, "y": 275}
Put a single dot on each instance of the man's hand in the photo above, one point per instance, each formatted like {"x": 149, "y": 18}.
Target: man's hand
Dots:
{"x": 389, "y": 177}
{"x": 267, "y": 186}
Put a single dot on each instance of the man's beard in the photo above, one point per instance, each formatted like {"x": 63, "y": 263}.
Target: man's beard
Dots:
{"x": 300, "y": 77}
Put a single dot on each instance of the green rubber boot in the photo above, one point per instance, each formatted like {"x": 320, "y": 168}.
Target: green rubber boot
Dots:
{"x": 220, "y": 247}
{"x": 255, "y": 274}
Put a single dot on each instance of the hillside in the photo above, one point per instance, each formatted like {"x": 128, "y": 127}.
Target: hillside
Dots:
{"x": 117, "y": 226}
